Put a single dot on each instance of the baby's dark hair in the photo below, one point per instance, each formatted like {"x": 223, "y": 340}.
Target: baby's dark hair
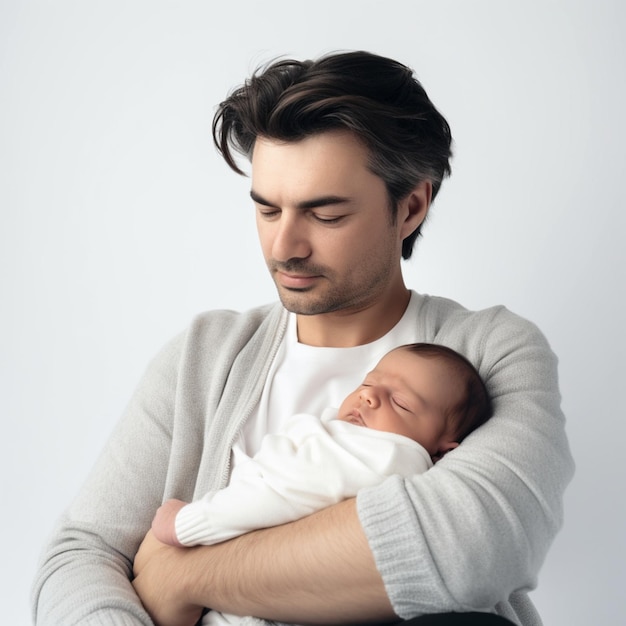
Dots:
{"x": 474, "y": 408}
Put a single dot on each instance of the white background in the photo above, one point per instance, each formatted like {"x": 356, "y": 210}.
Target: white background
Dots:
{"x": 119, "y": 222}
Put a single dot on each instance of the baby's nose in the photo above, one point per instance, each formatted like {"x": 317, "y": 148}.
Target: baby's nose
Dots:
{"x": 369, "y": 396}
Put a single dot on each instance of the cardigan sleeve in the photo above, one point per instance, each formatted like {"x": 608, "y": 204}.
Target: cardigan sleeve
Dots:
{"x": 85, "y": 570}
{"x": 475, "y": 529}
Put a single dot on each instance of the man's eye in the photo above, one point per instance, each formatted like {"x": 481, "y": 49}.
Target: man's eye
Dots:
{"x": 327, "y": 219}
{"x": 268, "y": 215}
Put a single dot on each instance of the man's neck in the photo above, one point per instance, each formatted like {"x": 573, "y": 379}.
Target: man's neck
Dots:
{"x": 348, "y": 328}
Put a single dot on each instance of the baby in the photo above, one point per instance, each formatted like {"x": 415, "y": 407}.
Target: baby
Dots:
{"x": 417, "y": 404}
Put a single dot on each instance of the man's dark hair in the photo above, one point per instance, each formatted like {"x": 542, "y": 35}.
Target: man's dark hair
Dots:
{"x": 376, "y": 98}
{"x": 474, "y": 408}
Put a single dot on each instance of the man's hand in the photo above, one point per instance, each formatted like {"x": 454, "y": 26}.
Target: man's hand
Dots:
{"x": 156, "y": 586}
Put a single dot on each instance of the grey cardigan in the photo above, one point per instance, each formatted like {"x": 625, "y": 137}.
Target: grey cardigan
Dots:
{"x": 469, "y": 534}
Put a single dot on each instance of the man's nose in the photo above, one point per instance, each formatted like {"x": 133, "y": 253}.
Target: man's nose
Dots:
{"x": 290, "y": 240}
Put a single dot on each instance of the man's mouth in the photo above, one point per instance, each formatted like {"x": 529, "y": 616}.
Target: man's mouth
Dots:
{"x": 295, "y": 281}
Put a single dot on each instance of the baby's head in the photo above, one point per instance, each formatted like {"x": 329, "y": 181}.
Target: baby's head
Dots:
{"x": 426, "y": 392}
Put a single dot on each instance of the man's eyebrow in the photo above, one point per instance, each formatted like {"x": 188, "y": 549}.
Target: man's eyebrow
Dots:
{"x": 313, "y": 203}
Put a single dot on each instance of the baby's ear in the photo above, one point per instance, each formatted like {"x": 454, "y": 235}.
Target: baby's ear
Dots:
{"x": 444, "y": 449}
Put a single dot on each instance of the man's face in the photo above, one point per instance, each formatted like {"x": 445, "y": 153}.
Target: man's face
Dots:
{"x": 325, "y": 224}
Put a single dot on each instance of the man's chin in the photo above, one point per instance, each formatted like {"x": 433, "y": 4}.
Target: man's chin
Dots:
{"x": 300, "y": 309}
{"x": 301, "y": 302}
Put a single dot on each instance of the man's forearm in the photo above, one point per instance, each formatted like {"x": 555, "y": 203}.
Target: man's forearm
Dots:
{"x": 316, "y": 570}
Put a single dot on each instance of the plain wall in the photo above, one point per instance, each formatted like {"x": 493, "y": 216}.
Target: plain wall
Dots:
{"x": 119, "y": 222}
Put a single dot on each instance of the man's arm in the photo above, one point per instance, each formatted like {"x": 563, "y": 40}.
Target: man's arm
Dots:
{"x": 475, "y": 529}
{"x": 155, "y": 452}
{"x": 316, "y": 570}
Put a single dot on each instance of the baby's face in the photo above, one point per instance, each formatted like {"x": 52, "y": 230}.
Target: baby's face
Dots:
{"x": 406, "y": 394}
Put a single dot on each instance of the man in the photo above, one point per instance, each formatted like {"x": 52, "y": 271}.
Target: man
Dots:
{"x": 347, "y": 155}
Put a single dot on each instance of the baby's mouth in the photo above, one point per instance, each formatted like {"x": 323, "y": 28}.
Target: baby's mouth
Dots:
{"x": 356, "y": 418}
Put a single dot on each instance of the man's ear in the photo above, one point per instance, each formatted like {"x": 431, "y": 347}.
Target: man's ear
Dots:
{"x": 412, "y": 211}
{"x": 444, "y": 449}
